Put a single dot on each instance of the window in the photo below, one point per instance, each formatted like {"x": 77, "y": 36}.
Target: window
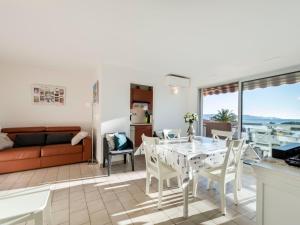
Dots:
{"x": 271, "y": 112}
{"x": 220, "y": 108}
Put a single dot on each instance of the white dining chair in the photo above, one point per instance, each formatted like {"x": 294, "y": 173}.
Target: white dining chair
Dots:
{"x": 228, "y": 172}
{"x": 262, "y": 139}
{"x": 218, "y": 134}
{"x": 156, "y": 168}
{"x": 171, "y": 133}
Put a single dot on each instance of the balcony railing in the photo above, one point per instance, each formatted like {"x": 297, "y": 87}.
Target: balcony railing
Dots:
{"x": 262, "y": 137}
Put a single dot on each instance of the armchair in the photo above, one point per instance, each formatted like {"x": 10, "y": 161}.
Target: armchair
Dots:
{"x": 108, "y": 153}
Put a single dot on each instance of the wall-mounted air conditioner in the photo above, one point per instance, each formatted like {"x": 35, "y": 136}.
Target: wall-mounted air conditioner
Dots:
{"x": 175, "y": 82}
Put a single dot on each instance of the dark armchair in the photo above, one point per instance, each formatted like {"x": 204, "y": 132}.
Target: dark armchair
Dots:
{"x": 109, "y": 153}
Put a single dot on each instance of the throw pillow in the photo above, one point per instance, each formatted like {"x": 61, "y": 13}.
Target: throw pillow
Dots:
{"x": 5, "y": 141}
{"x": 63, "y": 138}
{"x": 120, "y": 141}
{"x": 171, "y": 136}
{"x": 78, "y": 137}
{"x": 110, "y": 141}
{"x": 25, "y": 140}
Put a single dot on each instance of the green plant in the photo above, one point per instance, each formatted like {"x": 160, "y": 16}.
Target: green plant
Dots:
{"x": 225, "y": 115}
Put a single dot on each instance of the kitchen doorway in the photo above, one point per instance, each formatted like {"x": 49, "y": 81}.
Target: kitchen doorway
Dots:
{"x": 141, "y": 113}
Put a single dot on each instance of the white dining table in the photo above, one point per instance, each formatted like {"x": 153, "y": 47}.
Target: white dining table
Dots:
{"x": 188, "y": 158}
{"x": 22, "y": 205}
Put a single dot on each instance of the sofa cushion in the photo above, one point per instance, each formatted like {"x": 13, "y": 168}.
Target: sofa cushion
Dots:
{"x": 61, "y": 149}
{"x": 59, "y": 138}
{"x": 23, "y": 130}
{"x": 20, "y": 153}
{"x": 26, "y": 140}
{"x": 70, "y": 129}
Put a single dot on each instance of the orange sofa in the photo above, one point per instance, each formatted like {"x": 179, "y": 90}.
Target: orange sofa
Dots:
{"x": 26, "y": 158}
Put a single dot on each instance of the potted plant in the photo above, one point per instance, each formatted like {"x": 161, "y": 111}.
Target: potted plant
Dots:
{"x": 190, "y": 118}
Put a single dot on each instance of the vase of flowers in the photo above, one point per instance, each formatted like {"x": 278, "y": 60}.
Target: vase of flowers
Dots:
{"x": 190, "y": 118}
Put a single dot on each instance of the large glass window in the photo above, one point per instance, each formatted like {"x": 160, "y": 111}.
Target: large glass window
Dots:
{"x": 271, "y": 112}
{"x": 220, "y": 108}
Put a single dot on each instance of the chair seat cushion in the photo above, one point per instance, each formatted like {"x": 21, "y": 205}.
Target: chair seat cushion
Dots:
{"x": 20, "y": 153}
{"x": 61, "y": 149}
{"x": 117, "y": 152}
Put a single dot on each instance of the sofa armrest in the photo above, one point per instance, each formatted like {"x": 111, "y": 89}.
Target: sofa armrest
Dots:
{"x": 87, "y": 149}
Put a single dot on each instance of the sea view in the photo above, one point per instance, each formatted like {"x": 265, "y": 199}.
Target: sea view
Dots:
{"x": 259, "y": 120}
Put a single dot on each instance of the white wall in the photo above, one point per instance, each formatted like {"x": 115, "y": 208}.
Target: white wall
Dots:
{"x": 110, "y": 115}
{"x": 115, "y": 83}
{"x": 17, "y": 109}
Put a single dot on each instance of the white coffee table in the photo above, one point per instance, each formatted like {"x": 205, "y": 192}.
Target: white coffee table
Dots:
{"x": 26, "y": 204}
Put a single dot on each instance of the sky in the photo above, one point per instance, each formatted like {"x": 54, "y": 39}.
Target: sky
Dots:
{"x": 281, "y": 101}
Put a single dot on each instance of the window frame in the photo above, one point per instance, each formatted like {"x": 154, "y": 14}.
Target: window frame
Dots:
{"x": 240, "y": 94}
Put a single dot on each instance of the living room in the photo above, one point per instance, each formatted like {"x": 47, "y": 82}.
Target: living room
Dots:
{"x": 67, "y": 70}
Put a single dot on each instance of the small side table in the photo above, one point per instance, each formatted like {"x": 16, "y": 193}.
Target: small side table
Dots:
{"x": 26, "y": 204}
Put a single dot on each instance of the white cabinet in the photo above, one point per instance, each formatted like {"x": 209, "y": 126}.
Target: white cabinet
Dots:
{"x": 278, "y": 193}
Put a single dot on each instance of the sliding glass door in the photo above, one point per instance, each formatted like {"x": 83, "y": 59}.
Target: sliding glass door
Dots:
{"x": 265, "y": 111}
{"x": 271, "y": 112}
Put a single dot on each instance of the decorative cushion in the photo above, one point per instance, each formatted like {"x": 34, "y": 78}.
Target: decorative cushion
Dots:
{"x": 78, "y": 137}
{"x": 5, "y": 141}
{"x": 54, "y": 139}
{"x": 120, "y": 141}
{"x": 24, "y": 140}
{"x": 110, "y": 141}
{"x": 172, "y": 135}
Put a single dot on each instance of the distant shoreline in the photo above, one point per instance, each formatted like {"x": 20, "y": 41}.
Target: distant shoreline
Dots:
{"x": 256, "y": 120}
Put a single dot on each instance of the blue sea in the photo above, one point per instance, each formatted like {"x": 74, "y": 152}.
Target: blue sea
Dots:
{"x": 248, "y": 119}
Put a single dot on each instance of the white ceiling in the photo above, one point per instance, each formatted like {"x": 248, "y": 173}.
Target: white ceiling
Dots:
{"x": 208, "y": 40}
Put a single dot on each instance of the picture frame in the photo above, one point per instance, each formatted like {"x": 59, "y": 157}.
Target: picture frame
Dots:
{"x": 44, "y": 94}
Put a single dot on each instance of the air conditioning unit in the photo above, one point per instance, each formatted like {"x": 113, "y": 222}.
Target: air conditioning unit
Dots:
{"x": 174, "y": 80}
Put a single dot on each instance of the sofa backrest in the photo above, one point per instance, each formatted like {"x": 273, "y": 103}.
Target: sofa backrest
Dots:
{"x": 12, "y": 132}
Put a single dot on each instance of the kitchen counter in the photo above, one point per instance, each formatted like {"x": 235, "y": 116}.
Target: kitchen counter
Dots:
{"x": 278, "y": 192}
{"x": 278, "y": 166}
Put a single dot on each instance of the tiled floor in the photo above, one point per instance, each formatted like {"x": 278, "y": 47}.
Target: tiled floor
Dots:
{"x": 84, "y": 195}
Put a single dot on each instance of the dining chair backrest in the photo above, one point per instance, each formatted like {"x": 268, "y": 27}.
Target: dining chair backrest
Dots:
{"x": 171, "y": 133}
{"x": 149, "y": 146}
{"x": 218, "y": 134}
{"x": 262, "y": 137}
{"x": 233, "y": 157}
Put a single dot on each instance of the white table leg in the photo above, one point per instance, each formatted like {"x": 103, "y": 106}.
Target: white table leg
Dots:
{"x": 186, "y": 201}
{"x": 195, "y": 185}
{"x": 39, "y": 218}
{"x": 48, "y": 213}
